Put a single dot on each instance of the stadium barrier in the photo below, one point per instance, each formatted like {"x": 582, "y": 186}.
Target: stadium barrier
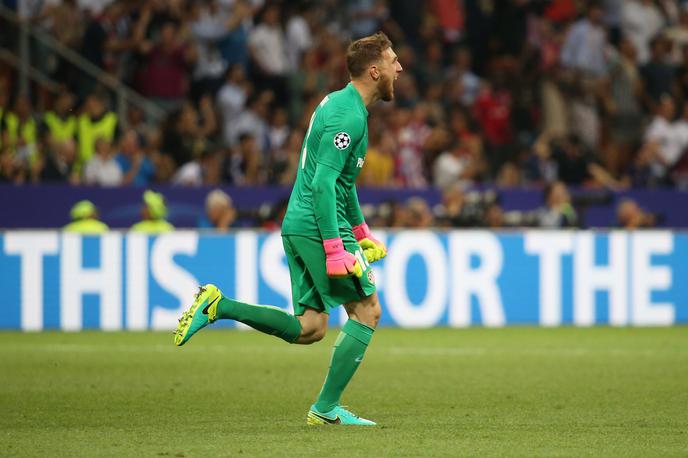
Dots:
{"x": 120, "y": 207}
{"x": 54, "y": 280}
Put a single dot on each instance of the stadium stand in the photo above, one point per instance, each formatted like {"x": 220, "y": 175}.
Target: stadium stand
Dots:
{"x": 524, "y": 94}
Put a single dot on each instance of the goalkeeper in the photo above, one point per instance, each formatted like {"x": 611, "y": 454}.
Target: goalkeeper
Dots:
{"x": 327, "y": 243}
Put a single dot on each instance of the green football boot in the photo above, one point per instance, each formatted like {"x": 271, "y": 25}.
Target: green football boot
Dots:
{"x": 201, "y": 313}
{"x": 337, "y": 416}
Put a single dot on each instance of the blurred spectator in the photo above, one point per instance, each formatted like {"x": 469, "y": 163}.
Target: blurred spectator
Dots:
{"x": 153, "y": 214}
{"x": 540, "y": 167}
{"x": 669, "y": 141}
{"x": 94, "y": 122}
{"x": 558, "y": 211}
{"x": 622, "y": 101}
{"x": 577, "y": 165}
{"x": 658, "y": 75}
{"x": 61, "y": 121}
{"x": 102, "y": 169}
{"x": 641, "y": 20}
{"x": 164, "y": 75}
{"x": 285, "y": 161}
{"x": 378, "y": 170}
{"x": 234, "y": 45}
{"x": 366, "y": 17}
{"x": 136, "y": 121}
{"x": 267, "y": 46}
{"x": 418, "y": 214}
{"x": 452, "y": 212}
{"x": 410, "y": 133}
{"x": 19, "y": 130}
{"x": 678, "y": 37}
{"x": 298, "y": 33}
{"x": 208, "y": 26}
{"x": 460, "y": 70}
{"x": 307, "y": 80}
{"x": 59, "y": 164}
{"x": 493, "y": 113}
{"x": 585, "y": 44}
{"x": 136, "y": 167}
{"x": 242, "y": 166}
{"x": 185, "y": 135}
{"x": 204, "y": 170}
{"x": 458, "y": 165}
{"x": 85, "y": 219}
{"x": 640, "y": 173}
{"x": 65, "y": 21}
{"x": 278, "y": 130}
{"x": 631, "y": 216}
{"x": 220, "y": 213}
{"x": 231, "y": 99}
{"x": 509, "y": 176}
{"x": 494, "y": 216}
{"x": 253, "y": 120}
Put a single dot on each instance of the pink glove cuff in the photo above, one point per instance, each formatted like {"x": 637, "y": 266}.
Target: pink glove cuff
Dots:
{"x": 361, "y": 231}
{"x": 333, "y": 246}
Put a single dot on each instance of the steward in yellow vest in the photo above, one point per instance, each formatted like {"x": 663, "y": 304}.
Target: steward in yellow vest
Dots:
{"x": 85, "y": 219}
{"x": 94, "y": 123}
{"x": 61, "y": 122}
{"x": 19, "y": 129}
{"x": 154, "y": 212}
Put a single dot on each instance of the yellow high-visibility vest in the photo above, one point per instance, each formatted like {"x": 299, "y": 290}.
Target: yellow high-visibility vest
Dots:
{"x": 152, "y": 226}
{"x": 86, "y": 226}
{"x": 60, "y": 129}
{"x": 27, "y": 131}
{"x": 89, "y": 131}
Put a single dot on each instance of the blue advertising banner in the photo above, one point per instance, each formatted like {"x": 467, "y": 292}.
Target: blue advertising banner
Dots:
{"x": 54, "y": 280}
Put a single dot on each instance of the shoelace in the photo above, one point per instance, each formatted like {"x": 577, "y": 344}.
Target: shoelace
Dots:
{"x": 344, "y": 408}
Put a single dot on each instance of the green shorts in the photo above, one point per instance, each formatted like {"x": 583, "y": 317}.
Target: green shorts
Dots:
{"x": 310, "y": 285}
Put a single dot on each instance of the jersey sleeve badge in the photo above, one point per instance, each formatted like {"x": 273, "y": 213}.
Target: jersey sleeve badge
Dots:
{"x": 342, "y": 140}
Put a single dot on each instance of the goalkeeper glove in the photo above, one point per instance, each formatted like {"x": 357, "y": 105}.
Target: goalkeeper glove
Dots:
{"x": 339, "y": 262}
{"x": 373, "y": 249}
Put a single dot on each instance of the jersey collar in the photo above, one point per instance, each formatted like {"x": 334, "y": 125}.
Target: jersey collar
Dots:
{"x": 357, "y": 96}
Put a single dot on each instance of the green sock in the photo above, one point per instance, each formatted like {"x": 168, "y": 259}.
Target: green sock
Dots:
{"x": 264, "y": 318}
{"x": 348, "y": 352}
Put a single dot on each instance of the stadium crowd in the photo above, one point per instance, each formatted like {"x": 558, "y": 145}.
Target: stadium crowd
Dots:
{"x": 506, "y": 93}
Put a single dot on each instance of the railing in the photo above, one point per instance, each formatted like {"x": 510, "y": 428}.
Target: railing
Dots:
{"x": 21, "y": 59}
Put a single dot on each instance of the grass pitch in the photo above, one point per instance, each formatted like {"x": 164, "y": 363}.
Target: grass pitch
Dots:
{"x": 514, "y": 391}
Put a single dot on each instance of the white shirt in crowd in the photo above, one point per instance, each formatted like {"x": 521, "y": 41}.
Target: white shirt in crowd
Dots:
{"x": 231, "y": 100}
{"x": 208, "y": 29}
{"x": 299, "y": 39}
{"x": 269, "y": 48}
{"x": 248, "y": 122}
{"x": 103, "y": 172}
{"x": 189, "y": 174}
{"x": 640, "y": 23}
{"x": 448, "y": 169}
{"x": 672, "y": 139}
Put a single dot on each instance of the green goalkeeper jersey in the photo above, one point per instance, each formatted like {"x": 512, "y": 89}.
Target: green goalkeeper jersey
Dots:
{"x": 324, "y": 202}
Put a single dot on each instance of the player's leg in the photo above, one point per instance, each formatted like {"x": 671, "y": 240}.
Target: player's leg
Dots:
{"x": 313, "y": 326}
{"x": 363, "y": 307}
{"x": 347, "y": 355}
{"x": 211, "y": 305}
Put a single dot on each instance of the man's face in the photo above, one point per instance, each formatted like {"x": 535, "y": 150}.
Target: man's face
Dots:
{"x": 389, "y": 71}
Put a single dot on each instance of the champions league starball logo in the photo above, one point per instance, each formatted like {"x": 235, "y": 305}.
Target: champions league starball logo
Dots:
{"x": 342, "y": 140}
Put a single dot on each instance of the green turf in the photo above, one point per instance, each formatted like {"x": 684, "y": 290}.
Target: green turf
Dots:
{"x": 516, "y": 391}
